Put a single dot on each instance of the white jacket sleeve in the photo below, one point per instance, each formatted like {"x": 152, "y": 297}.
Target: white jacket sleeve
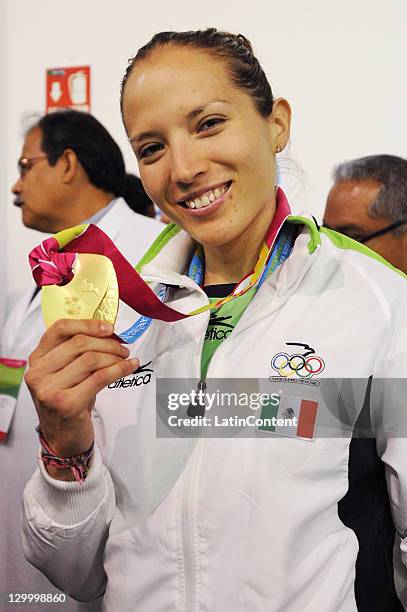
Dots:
{"x": 65, "y": 527}
{"x": 389, "y": 418}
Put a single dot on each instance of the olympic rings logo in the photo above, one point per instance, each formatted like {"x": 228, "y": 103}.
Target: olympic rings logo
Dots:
{"x": 304, "y": 366}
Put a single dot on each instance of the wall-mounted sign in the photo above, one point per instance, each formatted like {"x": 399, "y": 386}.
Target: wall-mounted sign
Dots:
{"x": 68, "y": 88}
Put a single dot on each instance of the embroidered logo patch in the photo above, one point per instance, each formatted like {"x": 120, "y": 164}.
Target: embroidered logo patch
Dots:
{"x": 303, "y": 363}
{"x": 141, "y": 376}
{"x": 218, "y": 328}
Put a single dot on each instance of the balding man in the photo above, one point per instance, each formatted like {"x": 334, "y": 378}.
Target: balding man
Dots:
{"x": 368, "y": 202}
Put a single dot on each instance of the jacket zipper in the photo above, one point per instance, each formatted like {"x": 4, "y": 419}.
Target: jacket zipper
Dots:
{"x": 188, "y": 535}
{"x": 191, "y": 580}
{"x": 197, "y": 409}
{"x": 187, "y": 508}
{"x": 190, "y": 547}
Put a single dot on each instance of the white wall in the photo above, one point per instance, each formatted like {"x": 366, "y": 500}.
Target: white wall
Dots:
{"x": 341, "y": 65}
{"x": 3, "y": 159}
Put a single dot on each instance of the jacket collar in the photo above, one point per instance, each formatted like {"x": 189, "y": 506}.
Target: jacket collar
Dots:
{"x": 167, "y": 260}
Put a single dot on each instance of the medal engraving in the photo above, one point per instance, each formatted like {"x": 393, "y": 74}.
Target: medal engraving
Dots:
{"x": 87, "y": 286}
{"x": 107, "y": 310}
{"x": 93, "y": 293}
{"x": 72, "y": 306}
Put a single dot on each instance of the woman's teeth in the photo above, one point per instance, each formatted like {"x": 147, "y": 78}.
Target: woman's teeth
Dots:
{"x": 207, "y": 197}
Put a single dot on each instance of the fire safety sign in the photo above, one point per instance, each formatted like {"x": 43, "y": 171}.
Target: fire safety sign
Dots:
{"x": 68, "y": 88}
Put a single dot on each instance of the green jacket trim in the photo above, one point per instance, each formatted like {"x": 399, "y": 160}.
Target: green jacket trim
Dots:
{"x": 169, "y": 232}
{"x": 315, "y": 240}
{"x": 344, "y": 242}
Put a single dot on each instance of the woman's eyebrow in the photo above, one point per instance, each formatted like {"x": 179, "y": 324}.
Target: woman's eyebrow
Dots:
{"x": 142, "y": 136}
{"x": 195, "y": 112}
{"x": 200, "y": 109}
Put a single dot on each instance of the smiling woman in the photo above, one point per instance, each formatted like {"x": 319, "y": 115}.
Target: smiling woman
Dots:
{"x": 275, "y": 519}
{"x": 198, "y": 162}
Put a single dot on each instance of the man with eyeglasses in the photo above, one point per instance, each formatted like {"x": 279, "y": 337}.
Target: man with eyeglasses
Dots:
{"x": 368, "y": 202}
{"x": 71, "y": 171}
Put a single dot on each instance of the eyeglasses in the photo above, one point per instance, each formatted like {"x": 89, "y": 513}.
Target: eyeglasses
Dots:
{"x": 26, "y": 163}
{"x": 376, "y": 234}
{"x": 382, "y": 231}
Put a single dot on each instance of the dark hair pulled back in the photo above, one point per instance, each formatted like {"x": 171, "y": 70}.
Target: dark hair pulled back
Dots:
{"x": 244, "y": 68}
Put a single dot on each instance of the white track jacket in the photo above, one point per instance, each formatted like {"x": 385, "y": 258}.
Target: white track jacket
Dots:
{"x": 256, "y": 524}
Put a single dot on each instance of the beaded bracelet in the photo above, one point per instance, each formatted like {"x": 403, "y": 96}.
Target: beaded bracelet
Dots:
{"x": 79, "y": 464}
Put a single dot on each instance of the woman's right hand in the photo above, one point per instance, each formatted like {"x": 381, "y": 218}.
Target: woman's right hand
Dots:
{"x": 74, "y": 360}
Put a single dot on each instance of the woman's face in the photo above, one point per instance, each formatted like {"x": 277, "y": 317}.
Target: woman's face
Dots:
{"x": 205, "y": 154}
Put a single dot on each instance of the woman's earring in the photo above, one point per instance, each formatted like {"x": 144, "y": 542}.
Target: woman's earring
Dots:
{"x": 278, "y": 149}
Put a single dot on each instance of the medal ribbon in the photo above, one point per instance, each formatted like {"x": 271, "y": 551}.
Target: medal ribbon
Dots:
{"x": 53, "y": 260}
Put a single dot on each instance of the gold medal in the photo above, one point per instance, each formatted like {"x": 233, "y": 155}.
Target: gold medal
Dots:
{"x": 93, "y": 293}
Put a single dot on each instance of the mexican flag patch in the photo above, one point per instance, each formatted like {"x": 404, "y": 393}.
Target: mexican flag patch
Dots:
{"x": 291, "y": 417}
